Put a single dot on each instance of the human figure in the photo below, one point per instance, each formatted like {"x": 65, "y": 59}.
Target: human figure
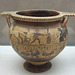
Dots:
{"x": 35, "y": 37}
{"x": 27, "y": 37}
{"x": 62, "y": 34}
{"x": 48, "y": 37}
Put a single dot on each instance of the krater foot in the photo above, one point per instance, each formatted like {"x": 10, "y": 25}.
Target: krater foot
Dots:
{"x": 37, "y": 69}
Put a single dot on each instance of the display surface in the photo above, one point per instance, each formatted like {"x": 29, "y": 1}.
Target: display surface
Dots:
{"x": 38, "y": 35}
{"x": 11, "y": 63}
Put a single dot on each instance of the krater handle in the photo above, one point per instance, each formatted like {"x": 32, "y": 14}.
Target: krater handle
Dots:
{"x": 69, "y": 14}
{"x": 7, "y": 15}
{"x": 66, "y": 16}
{"x": 64, "y": 21}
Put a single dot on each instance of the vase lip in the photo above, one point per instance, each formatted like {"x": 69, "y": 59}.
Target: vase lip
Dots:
{"x": 37, "y": 15}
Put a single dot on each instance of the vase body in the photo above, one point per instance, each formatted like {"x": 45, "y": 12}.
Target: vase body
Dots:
{"x": 38, "y": 42}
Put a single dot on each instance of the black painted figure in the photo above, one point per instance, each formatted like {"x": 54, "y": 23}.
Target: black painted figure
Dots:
{"x": 47, "y": 54}
{"x": 34, "y": 53}
{"x": 25, "y": 53}
{"x": 48, "y": 37}
{"x": 35, "y": 37}
{"x": 62, "y": 34}
{"x": 27, "y": 38}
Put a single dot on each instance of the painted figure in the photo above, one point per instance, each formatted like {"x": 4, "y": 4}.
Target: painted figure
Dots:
{"x": 34, "y": 53}
{"x": 48, "y": 37}
{"x": 27, "y": 37}
{"x": 62, "y": 34}
{"x": 35, "y": 37}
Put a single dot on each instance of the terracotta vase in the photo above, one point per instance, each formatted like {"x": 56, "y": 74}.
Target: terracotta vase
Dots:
{"x": 37, "y": 36}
